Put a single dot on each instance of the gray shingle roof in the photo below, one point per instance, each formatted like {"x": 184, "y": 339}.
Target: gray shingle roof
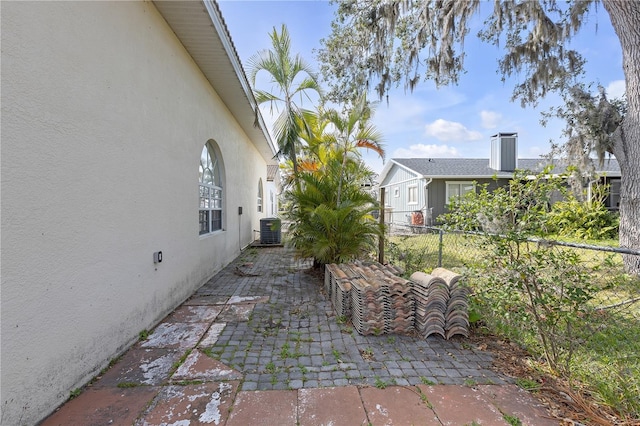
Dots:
{"x": 479, "y": 167}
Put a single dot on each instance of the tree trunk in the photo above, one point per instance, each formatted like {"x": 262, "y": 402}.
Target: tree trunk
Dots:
{"x": 625, "y": 18}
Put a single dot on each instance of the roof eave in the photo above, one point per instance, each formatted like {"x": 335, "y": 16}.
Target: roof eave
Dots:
{"x": 203, "y": 40}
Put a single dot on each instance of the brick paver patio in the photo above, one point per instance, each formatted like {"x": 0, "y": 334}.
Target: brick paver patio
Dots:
{"x": 260, "y": 344}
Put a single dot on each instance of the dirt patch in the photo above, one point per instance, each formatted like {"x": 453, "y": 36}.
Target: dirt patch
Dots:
{"x": 567, "y": 402}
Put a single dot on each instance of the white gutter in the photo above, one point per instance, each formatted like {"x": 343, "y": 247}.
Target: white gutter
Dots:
{"x": 426, "y": 192}
{"x": 427, "y": 216}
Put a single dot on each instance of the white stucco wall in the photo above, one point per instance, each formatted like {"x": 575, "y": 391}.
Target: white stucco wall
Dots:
{"x": 104, "y": 116}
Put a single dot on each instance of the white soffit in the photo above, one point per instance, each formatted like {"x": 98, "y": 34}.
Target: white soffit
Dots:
{"x": 201, "y": 29}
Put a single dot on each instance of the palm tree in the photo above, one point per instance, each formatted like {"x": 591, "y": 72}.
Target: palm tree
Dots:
{"x": 353, "y": 132}
{"x": 293, "y": 78}
{"x": 324, "y": 231}
{"x": 331, "y": 214}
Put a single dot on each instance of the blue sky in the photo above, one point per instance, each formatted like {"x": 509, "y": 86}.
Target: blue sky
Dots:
{"x": 453, "y": 121}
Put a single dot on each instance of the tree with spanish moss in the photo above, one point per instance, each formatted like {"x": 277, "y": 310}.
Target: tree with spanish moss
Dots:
{"x": 378, "y": 43}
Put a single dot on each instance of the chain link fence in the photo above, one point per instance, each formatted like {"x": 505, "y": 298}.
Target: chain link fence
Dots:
{"x": 595, "y": 327}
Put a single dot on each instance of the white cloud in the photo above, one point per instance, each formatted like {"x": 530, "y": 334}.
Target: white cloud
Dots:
{"x": 426, "y": 151}
{"x": 403, "y": 112}
{"x": 490, "y": 119}
{"x": 615, "y": 89}
{"x": 451, "y": 131}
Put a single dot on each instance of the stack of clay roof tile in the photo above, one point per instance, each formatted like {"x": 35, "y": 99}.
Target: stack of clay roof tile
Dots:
{"x": 441, "y": 303}
{"x": 457, "y": 314}
{"x": 380, "y": 301}
{"x": 337, "y": 282}
{"x": 432, "y": 296}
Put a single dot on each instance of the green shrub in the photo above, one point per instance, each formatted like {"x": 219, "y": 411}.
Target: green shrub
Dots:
{"x": 534, "y": 293}
{"x": 583, "y": 219}
{"x": 326, "y": 229}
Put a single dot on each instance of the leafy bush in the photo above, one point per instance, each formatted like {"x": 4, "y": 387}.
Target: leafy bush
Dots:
{"x": 585, "y": 220}
{"x": 325, "y": 229}
{"x": 533, "y": 292}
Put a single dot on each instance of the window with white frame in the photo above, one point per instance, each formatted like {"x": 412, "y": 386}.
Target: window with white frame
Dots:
{"x": 260, "y": 195}
{"x": 396, "y": 192}
{"x": 210, "y": 187}
{"x": 412, "y": 194}
{"x": 458, "y": 189}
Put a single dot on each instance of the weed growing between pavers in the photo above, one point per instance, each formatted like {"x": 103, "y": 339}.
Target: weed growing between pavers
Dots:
{"x": 367, "y": 354}
{"x": 188, "y": 382}
{"x": 143, "y": 335}
{"x": 124, "y": 385}
{"x": 512, "y": 420}
{"x": 271, "y": 368}
{"x": 423, "y": 397}
{"x": 179, "y": 362}
{"x": 336, "y": 355}
{"x": 426, "y": 381}
{"x": 249, "y": 255}
{"x": 379, "y": 383}
{"x": 298, "y": 337}
{"x": 211, "y": 353}
{"x": 347, "y": 330}
{"x": 284, "y": 352}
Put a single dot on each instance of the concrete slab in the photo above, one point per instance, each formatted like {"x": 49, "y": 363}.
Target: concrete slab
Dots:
{"x": 244, "y": 299}
{"x": 517, "y": 402}
{"x": 459, "y": 405}
{"x": 175, "y": 335}
{"x": 207, "y": 300}
{"x": 198, "y": 366}
{"x": 236, "y": 313}
{"x": 212, "y": 335}
{"x": 141, "y": 367}
{"x": 267, "y": 408}
{"x": 105, "y": 406}
{"x": 191, "y": 313}
{"x": 205, "y": 404}
{"x": 334, "y": 406}
{"x": 397, "y": 405}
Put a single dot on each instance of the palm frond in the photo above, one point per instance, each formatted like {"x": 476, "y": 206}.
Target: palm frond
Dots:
{"x": 372, "y": 145}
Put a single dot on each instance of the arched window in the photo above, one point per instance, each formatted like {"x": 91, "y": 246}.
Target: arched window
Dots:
{"x": 210, "y": 186}
{"x": 260, "y": 195}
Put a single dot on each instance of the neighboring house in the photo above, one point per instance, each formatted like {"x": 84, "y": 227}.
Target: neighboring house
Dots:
{"x": 418, "y": 190}
{"x": 127, "y": 129}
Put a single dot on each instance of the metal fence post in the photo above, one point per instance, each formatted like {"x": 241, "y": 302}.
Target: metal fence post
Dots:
{"x": 440, "y": 245}
{"x": 381, "y": 219}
